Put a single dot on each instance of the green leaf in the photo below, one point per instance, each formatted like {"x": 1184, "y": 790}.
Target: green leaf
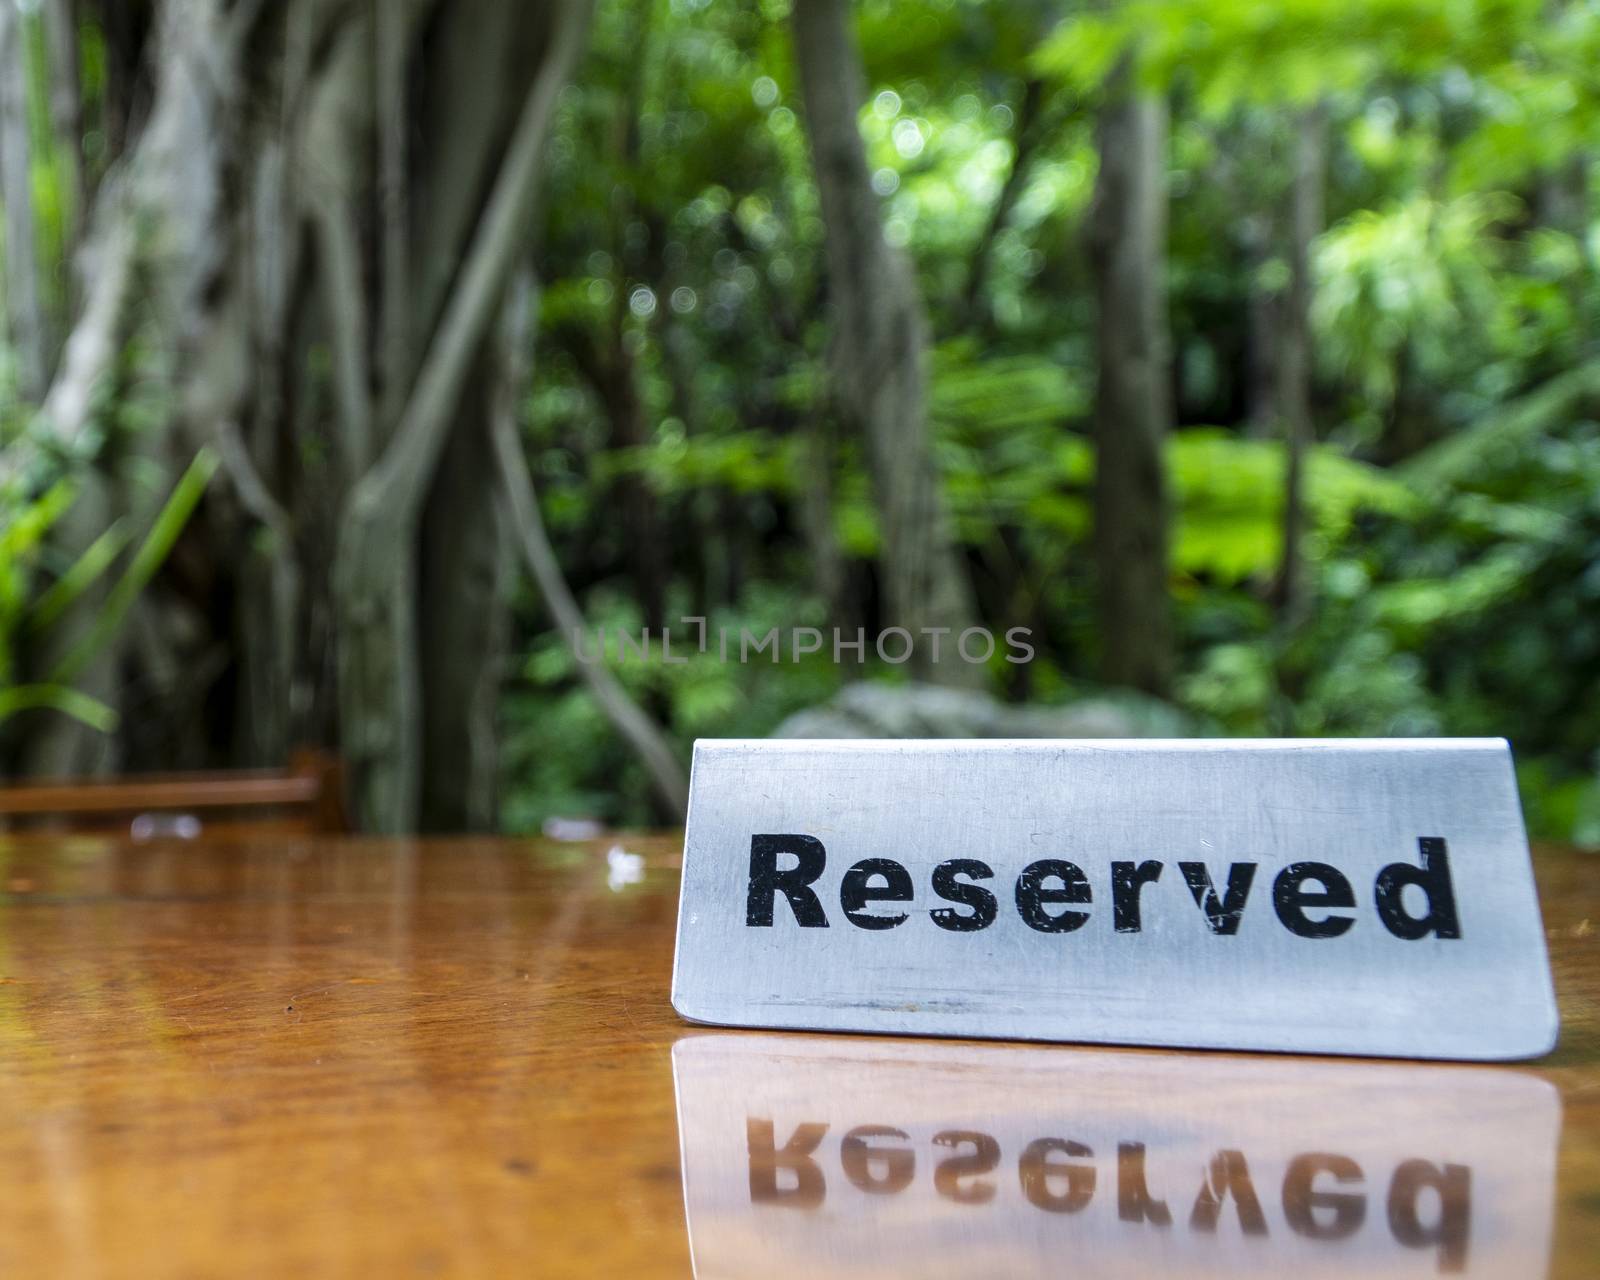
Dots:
{"x": 80, "y": 576}
{"x": 68, "y": 701}
{"x": 22, "y": 530}
{"x": 169, "y": 523}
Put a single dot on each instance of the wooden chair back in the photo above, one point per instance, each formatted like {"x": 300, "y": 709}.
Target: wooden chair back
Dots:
{"x": 306, "y": 798}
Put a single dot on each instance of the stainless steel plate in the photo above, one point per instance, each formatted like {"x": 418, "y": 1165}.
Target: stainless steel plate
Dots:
{"x": 1357, "y": 897}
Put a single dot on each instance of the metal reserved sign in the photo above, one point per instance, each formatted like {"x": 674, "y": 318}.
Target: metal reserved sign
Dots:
{"x": 1312, "y": 896}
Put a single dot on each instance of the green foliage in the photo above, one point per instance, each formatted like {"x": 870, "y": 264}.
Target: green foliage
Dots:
{"x": 31, "y": 603}
{"x": 1450, "y": 494}
{"x": 1278, "y": 52}
{"x": 1230, "y": 492}
{"x": 1424, "y": 297}
{"x": 1013, "y": 458}
{"x": 1009, "y": 458}
{"x": 742, "y": 461}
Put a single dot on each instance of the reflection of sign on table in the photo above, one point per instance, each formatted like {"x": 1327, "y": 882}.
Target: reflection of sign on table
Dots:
{"x": 806, "y": 1156}
{"x": 1334, "y": 896}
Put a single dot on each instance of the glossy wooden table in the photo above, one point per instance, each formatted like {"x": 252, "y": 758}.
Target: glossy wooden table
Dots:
{"x": 456, "y": 1058}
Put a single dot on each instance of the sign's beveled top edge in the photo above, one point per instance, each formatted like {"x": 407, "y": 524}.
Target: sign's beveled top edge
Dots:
{"x": 1112, "y": 744}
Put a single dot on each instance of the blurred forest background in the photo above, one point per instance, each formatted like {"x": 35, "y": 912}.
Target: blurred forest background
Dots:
{"x": 358, "y": 352}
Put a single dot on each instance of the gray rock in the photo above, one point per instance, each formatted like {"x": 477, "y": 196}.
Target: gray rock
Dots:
{"x": 927, "y": 711}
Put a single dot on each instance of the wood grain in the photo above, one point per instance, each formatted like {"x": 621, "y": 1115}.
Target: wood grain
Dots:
{"x": 332, "y": 1057}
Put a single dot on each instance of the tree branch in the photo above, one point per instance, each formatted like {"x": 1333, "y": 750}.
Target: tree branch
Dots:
{"x": 249, "y": 485}
{"x": 401, "y": 475}
{"x": 636, "y": 728}
{"x": 340, "y": 250}
{"x": 974, "y": 310}
{"x": 389, "y": 78}
{"x": 97, "y": 337}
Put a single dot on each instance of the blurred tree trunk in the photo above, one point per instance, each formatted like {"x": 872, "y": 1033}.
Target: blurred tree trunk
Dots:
{"x": 489, "y": 142}
{"x": 318, "y": 215}
{"x": 1132, "y": 402}
{"x": 1408, "y": 430}
{"x": 1295, "y": 365}
{"x": 24, "y": 308}
{"x": 637, "y": 510}
{"x": 878, "y": 355}
{"x": 1263, "y": 307}
{"x": 473, "y": 94}
{"x": 66, "y": 115}
{"x": 817, "y": 505}
{"x": 125, "y": 27}
{"x": 464, "y": 624}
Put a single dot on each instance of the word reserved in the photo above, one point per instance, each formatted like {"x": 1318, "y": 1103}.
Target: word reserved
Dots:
{"x": 1050, "y": 892}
